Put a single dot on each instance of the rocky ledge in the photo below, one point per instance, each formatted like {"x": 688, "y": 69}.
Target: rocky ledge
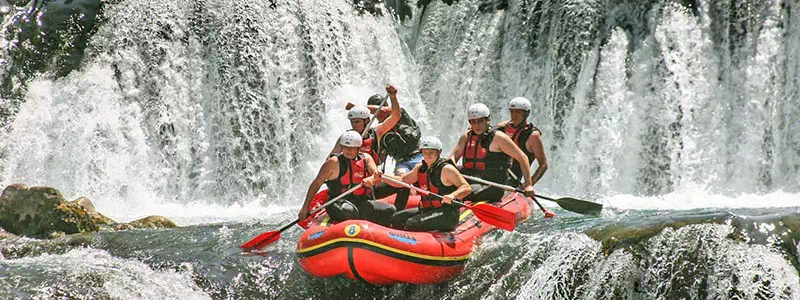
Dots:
{"x": 41, "y": 212}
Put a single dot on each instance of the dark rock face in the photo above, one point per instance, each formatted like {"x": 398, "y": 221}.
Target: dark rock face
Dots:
{"x": 399, "y": 8}
{"x": 50, "y": 39}
{"x": 41, "y": 211}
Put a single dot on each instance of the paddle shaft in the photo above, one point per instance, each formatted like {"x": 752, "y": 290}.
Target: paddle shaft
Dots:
{"x": 366, "y": 127}
{"x": 311, "y": 213}
{"x": 571, "y": 204}
{"x": 490, "y": 214}
{"x": 420, "y": 190}
{"x": 263, "y": 239}
{"x": 534, "y": 198}
{"x": 366, "y": 131}
{"x": 507, "y": 188}
{"x": 546, "y": 198}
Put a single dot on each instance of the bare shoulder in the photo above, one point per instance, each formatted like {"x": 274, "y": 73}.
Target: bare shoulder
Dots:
{"x": 501, "y": 135}
{"x": 332, "y": 159}
{"x": 450, "y": 168}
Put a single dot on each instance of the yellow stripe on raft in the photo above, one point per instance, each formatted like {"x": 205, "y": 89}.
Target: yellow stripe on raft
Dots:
{"x": 464, "y": 215}
{"x": 374, "y": 244}
{"x": 468, "y": 211}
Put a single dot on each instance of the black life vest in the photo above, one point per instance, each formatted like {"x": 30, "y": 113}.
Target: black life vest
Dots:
{"x": 480, "y": 162}
{"x": 520, "y": 137}
{"x": 430, "y": 178}
{"x": 401, "y": 141}
{"x": 351, "y": 173}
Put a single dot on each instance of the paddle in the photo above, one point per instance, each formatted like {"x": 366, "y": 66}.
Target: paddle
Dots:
{"x": 366, "y": 127}
{"x": 488, "y": 213}
{"x": 570, "y": 204}
{"x": 266, "y": 238}
{"x": 547, "y": 214}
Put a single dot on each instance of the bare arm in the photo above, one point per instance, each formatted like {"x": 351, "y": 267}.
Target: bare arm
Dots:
{"x": 372, "y": 169}
{"x": 328, "y": 170}
{"x": 459, "y": 149}
{"x": 451, "y": 176}
{"x": 509, "y": 147}
{"x": 534, "y": 144}
{"x": 374, "y": 108}
{"x": 392, "y": 120}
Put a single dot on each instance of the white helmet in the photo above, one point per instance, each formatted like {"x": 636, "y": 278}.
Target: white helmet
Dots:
{"x": 350, "y": 139}
{"x": 430, "y": 142}
{"x": 358, "y": 112}
{"x": 520, "y": 103}
{"x": 477, "y": 111}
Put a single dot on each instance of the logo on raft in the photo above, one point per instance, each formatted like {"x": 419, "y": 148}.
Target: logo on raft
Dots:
{"x": 316, "y": 235}
{"x": 403, "y": 238}
{"x": 352, "y": 230}
{"x": 447, "y": 238}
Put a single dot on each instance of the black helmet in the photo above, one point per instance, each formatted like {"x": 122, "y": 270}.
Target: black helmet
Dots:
{"x": 375, "y": 100}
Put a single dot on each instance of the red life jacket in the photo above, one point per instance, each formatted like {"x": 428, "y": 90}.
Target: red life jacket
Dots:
{"x": 475, "y": 152}
{"x": 430, "y": 178}
{"x": 351, "y": 173}
{"x": 480, "y": 162}
{"x": 368, "y": 147}
{"x": 520, "y": 137}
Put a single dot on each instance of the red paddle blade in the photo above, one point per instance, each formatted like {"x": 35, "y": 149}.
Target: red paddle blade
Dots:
{"x": 318, "y": 201}
{"x": 261, "y": 240}
{"x": 495, "y": 216}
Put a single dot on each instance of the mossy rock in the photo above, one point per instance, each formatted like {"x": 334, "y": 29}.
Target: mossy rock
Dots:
{"x": 5, "y": 235}
{"x": 39, "y": 211}
{"x": 97, "y": 217}
{"x": 152, "y": 222}
{"x": 616, "y": 236}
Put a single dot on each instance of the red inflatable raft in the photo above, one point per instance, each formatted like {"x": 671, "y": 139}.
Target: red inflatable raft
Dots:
{"x": 362, "y": 250}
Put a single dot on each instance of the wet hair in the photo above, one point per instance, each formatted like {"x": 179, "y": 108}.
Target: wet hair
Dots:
{"x": 375, "y": 100}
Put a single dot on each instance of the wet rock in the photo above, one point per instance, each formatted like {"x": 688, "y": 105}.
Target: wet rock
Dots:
{"x": 5, "y": 235}
{"x": 56, "y": 234}
{"x": 97, "y": 217}
{"x": 19, "y": 248}
{"x": 85, "y": 203}
{"x": 122, "y": 226}
{"x": 152, "y": 222}
{"x": 398, "y": 8}
{"x": 615, "y": 236}
{"x": 40, "y": 211}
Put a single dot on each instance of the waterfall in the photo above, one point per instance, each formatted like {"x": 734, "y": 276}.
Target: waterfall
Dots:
{"x": 230, "y": 102}
{"x": 212, "y": 101}
{"x": 632, "y": 99}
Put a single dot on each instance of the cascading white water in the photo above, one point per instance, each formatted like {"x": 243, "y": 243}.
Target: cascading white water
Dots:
{"x": 693, "y": 262}
{"x": 232, "y": 101}
{"x": 217, "y": 102}
{"x": 637, "y": 100}
{"x": 120, "y": 278}
{"x": 194, "y": 108}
